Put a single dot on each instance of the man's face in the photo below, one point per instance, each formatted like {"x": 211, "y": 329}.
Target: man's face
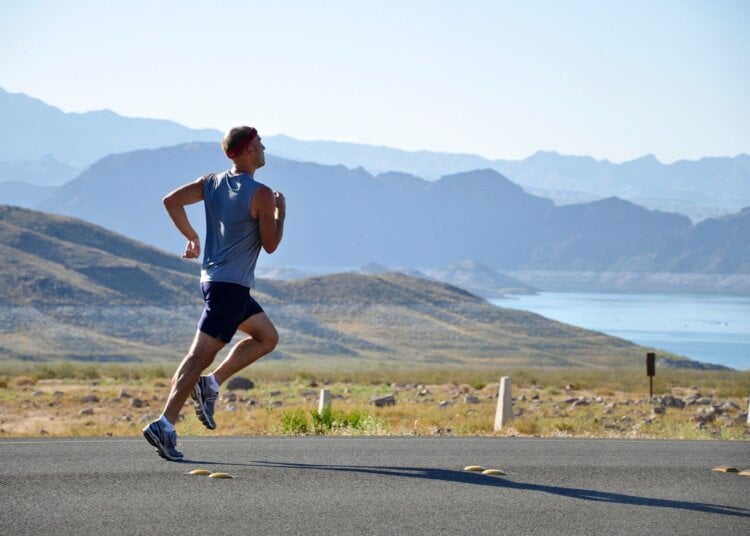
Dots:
{"x": 258, "y": 149}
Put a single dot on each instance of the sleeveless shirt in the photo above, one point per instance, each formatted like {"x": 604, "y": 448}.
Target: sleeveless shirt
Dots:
{"x": 232, "y": 235}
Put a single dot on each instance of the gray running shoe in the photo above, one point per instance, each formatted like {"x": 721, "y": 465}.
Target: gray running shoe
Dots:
{"x": 163, "y": 441}
{"x": 205, "y": 399}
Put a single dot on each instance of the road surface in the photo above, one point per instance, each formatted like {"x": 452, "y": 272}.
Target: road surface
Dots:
{"x": 374, "y": 485}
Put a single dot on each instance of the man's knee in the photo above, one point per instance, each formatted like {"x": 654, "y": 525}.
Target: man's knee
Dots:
{"x": 274, "y": 339}
{"x": 269, "y": 338}
{"x": 203, "y": 350}
{"x": 262, "y": 330}
{"x": 200, "y": 359}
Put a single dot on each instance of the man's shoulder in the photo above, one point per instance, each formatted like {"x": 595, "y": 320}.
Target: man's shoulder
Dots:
{"x": 215, "y": 175}
{"x": 214, "y": 178}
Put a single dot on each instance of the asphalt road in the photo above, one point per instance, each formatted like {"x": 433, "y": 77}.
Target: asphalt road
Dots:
{"x": 365, "y": 485}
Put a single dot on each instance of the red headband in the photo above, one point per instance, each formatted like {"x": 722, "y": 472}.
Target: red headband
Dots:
{"x": 242, "y": 145}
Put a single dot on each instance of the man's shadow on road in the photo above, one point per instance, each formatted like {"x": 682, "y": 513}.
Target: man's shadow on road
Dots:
{"x": 465, "y": 477}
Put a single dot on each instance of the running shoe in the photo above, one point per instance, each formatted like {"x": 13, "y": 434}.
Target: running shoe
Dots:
{"x": 205, "y": 399}
{"x": 164, "y": 442}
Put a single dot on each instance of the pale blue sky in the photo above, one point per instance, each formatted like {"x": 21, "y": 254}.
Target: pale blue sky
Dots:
{"x": 502, "y": 79}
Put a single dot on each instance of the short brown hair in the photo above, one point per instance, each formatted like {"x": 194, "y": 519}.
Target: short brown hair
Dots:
{"x": 237, "y": 139}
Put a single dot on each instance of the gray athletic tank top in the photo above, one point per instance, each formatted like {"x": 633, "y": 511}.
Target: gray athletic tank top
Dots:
{"x": 232, "y": 235}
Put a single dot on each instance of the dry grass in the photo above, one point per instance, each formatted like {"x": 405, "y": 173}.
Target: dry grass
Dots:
{"x": 49, "y": 400}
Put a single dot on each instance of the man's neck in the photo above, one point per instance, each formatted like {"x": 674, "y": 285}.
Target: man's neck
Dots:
{"x": 237, "y": 168}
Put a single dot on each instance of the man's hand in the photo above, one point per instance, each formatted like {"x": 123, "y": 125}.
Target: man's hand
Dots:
{"x": 280, "y": 200}
{"x": 192, "y": 249}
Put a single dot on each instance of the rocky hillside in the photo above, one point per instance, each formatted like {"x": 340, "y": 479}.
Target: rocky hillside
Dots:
{"x": 76, "y": 291}
{"x": 56, "y": 260}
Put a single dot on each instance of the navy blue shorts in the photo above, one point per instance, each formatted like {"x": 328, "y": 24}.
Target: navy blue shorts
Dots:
{"x": 227, "y": 305}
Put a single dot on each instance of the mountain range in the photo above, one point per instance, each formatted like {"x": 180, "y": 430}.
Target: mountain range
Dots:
{"x": 702, "y": 188}
{"x": 342, "y": 217}
{"x": 80, "y": 292}
{"x": 41, "y": 145}
{"x": 346, "y": 216}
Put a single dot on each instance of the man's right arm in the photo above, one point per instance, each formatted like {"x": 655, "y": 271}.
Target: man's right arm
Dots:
{"x": 175, "y": 203}
{"x": 269, "y": 209}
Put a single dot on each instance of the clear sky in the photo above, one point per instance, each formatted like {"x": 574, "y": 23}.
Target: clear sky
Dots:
{"x": 502, "y": 79}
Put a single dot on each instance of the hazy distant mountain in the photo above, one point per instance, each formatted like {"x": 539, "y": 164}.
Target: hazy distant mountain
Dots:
{"x": 80, "y": 292}
{"x": 123, "y": 192}
{"x": 481, "y": 280}
{"x": 31, "y": 129}
{"x": 719, "y": 245}
{"x": 22, "y": 194}
{"x": 342, "y": 217}
{"x": 285, "y": 273}
{"x": 373, "y": 268}
{"x": 702, "y": 188}
{"x": 375, "y": 159}
{"x": 45, "y": 171}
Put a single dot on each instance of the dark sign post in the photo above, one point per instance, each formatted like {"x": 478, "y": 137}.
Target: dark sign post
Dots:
{"x": 651, "y": 372}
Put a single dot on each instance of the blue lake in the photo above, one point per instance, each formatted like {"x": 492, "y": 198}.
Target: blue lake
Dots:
{"x": 708, "y": 328}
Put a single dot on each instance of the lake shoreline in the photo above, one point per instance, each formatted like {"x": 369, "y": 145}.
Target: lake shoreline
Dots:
{"x": 644, "y": 282}
{"x": 709, "y": 328}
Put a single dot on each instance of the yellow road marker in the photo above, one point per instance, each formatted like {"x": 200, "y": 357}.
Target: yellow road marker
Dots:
{"x": 746, "y": 472}
{"x": 725, "y": 469}
{"x": 199, "y": 472}
{"x": 493, "y": 472}
{"x": 475, "y": 468}
{"x": 220, "y": 475}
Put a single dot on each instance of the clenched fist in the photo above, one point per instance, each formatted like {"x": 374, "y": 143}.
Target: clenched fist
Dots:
{"x": 192, "y": 249}
{"x": 280, "y": 205}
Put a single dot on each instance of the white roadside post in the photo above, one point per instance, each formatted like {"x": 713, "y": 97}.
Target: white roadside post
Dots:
{"x": 504, "y": 413}
{"x": 748, "y": 410}
{"x": 325, "y": 399}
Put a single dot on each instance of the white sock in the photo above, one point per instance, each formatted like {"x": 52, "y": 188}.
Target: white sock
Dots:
{"x": 212, "y": 382}
{"x": 168, "y": 426}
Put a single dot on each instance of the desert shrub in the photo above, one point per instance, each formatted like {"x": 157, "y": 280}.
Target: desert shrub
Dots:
{"x": 24, "y": 381}
{"x": 294, "y": 422}
{"x": 328, "y": 421}
{"x": 355, "y": 419}
{"x": 528, "y": 426}
{"x": 322, "y": 422}
{"x": 65, "y": 370}
{"x": 55, "y": 371}
{"x": 90, "y": 372}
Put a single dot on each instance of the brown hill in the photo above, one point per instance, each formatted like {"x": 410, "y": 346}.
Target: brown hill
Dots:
{"x": 53, "y": 259}
{"x": 397, "y": 317}
{"x": 75, "y": 291}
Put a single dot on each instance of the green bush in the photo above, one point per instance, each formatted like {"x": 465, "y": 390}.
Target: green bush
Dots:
{"x": 356, "y": 419}
{"x": 322, "y": 422}
{"x": 294, "y": 422}
{"x": 329, "y": 421}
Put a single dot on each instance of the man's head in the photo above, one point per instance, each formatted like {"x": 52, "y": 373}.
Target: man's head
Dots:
{"x": 243, "y": 146}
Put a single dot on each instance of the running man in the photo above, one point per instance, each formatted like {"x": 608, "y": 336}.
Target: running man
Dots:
{"x": 242, "y": 216}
